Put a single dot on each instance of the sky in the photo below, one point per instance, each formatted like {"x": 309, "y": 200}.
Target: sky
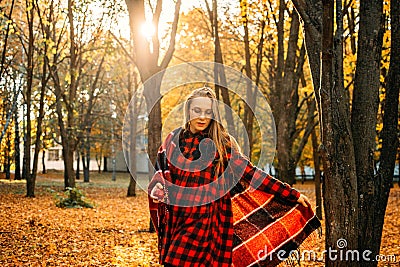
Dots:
{"x": 167, "y": 15}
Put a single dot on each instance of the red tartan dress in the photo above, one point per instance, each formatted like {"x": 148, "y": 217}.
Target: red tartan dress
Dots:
{"x": 202, "y": 236}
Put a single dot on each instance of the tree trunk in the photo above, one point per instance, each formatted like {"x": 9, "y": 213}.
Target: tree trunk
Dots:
{"x": 98, "y": 161}
{"x": 40, "y": 116}
{"x": 154, "y": 141}
{"x": 249, "y": 105}
{"x": 132, "y": 168}
{"x": 5, "y": 45}
{"x": 147, "y": 62}
{"x": 69, "y": 175}
{"x": 310, "y": 12}
{"x": 133, "y": 129}
{"x": 17, "y": 157}
{"x": 375, "y": 188}
{"x": 340, "y": 186}
{"x": 105, "y": 169}
{"x": 7, "y": 164}
{"x": 24, "y": 158}
{"x": 389, "y": 134}
{"x": 30, "y": 183}
{"x": 316, "y": 158}
{"x": 132, "y": 187}
{"x": 317, "y": 177}
{"x": 67, "y": 140}
{"x": 70, "y": 142}
{"x": 286, "y": 89}
{"x": 364, "y": 112}
{"x": 43, "y": 161}
{"x": 86, "y": 173}
{"x": 78, "y": 163}
{"x": 219, "y": 71}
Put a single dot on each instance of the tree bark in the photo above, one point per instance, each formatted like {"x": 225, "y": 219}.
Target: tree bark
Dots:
{"x": 364, "y": 118}
{"x": 339, "y": 183}
{"x": 249, "y": 105}
{"x": 317, "y": 177}
{"x": 30, "y": 183}
{"x": 220, "y": 81}
{"x": 286, "y": 89}
{"x": 86, "y": 170}
{"x": 5, "y": 42}
{"x": 340, "y": 186}
{"x": 375, "y": 200}
{"x": 310, "y": 12}
{"x": 7, "y": 156}
{"x": 147, "y": 62}
{"x": 40, "y": 116}
{"x": 43, "y": 162}
{"x": 133, "y": 129}
{"x": 78, "y": 165}
{"x": 59, "y": 94}
{"x": 17, "y": 156}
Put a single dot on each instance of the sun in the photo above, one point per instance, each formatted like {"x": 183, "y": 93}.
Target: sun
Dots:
{"x": 148, "y": 30}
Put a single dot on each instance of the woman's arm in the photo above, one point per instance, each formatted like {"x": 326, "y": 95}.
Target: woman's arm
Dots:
{"x": 261, "y": 180}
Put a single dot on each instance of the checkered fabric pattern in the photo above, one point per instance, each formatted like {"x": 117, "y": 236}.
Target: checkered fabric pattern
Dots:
{"x": 267, "y": 229}
{"x": 191, "y": 233}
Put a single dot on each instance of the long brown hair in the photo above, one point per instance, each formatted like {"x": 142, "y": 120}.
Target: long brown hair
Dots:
{"x": 216, "y": 131}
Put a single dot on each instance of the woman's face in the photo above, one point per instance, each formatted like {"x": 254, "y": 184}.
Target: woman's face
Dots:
{"x": 200, "y": 113}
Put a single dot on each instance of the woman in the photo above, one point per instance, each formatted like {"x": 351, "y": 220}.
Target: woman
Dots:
{"x": 194, "y": 219}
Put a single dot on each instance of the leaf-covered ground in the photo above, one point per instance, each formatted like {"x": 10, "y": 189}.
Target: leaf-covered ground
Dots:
{"x": 34, "y": 232}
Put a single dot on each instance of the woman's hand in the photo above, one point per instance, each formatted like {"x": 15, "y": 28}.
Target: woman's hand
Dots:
{"x": 303, "y": 200}
{"x": 157, "y": 193}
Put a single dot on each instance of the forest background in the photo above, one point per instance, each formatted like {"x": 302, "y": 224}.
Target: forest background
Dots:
{"x": 69, "y": 70}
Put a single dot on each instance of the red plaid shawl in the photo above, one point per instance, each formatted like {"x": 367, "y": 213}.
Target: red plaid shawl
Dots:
{"x": 263, "y": 224}
{"x": 266, "y": 229}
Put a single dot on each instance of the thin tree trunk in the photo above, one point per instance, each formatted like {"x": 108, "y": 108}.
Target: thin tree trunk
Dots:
{"x": 65, "y": 130}
{"x": 78, "y": 163}
{"x": 105, "y": 169}
{"x": 133, "y": 129}
{"x": 5, "y": 41}
{"x": 39, "y": 129}
{"x": 219, "y": 72}
{"x": 287, "y": 89}
{"x": 132, "y": 152}
{"x": 24, "y": 158}
{"x": 316, "y": 158}
{"x": 98, "y": 161}
{"x": 310, "y": 12}
{"x": 83, "y": 161}
{"x": 86, "y": 171}
{"x": 7, "y": 164}
{"x": 248, "y": 117}
{"x": 43, "y": 161}
{"x": 17, "y": 157}
{"x": 30, "y": 183}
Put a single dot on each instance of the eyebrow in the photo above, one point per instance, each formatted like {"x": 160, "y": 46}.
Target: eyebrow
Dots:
{"x": 205, "y": 110}
{"x": 201, "y": 108}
